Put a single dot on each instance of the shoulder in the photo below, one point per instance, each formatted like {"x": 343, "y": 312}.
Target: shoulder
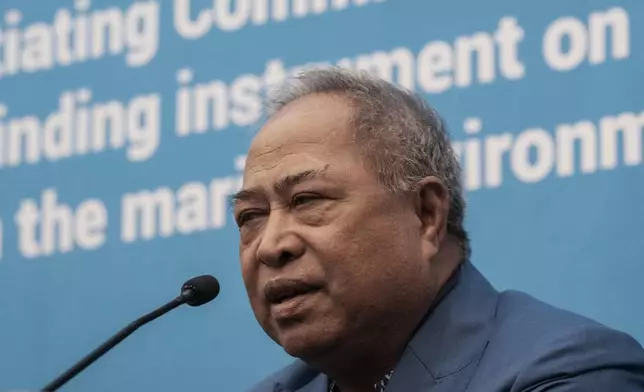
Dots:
{"x": 540, "y": 342}
{"x": 544, "y": 326}
{"x": 292, "y": 377}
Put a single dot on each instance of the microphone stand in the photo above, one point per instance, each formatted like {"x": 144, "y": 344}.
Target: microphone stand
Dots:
{"x": 116, "y": 339}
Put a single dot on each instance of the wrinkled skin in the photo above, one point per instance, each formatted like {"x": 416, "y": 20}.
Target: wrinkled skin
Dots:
{"x": 335, "y": 227}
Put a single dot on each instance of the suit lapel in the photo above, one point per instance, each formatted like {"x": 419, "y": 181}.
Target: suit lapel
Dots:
{"x": 410, "y": 375}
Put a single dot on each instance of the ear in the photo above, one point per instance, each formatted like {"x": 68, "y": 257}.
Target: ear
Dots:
{"x": 432, "y": 208}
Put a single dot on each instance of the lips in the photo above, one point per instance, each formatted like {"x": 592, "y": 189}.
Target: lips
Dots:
{"x": 281, "y": 290}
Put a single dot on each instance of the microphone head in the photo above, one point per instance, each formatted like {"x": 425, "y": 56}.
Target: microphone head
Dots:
{"x": 200, "y": 290}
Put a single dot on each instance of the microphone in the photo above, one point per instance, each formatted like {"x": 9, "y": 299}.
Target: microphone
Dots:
{"x": 195, "y": 292}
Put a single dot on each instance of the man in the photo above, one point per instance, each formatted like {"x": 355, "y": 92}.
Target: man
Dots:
{"x": 356, "y": 262}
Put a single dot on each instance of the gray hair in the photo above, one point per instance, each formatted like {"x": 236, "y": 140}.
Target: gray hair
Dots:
{"x": 404, "y": 138}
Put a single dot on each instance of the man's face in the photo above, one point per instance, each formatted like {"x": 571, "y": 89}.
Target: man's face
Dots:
{"x": 327, "y": 254}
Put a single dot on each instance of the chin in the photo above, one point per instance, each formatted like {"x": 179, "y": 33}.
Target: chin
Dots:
{"x": 306, "y": 341}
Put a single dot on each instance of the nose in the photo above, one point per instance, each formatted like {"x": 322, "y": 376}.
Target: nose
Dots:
{"x": 279, "y": 244}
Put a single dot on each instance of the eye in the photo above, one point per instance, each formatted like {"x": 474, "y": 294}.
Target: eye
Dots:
{"x": 247, "y": 216}
{"x": 304, "y": 198}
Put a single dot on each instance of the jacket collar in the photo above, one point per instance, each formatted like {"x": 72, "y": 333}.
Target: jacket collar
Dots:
{"x": 446, "y": 349}
{"x": 457, "y": 328}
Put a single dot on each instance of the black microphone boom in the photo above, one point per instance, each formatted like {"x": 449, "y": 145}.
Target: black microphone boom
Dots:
{"x": 195, "y": 292}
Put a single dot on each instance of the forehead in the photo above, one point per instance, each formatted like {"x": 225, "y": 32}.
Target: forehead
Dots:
{"x": 318, "y": 118}
{"x": 313, "y": 132}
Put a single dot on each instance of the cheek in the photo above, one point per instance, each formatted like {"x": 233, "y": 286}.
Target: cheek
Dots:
{"x": 373, "y": 253}
{"x": 250, "y": 276}
{"x": 249, "y": 270}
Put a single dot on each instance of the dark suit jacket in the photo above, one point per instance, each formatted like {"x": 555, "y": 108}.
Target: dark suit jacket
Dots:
{"x": 479, "y": 340}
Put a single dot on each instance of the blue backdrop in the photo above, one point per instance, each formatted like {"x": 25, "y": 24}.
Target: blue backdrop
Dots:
{"x": 123, "y": 128}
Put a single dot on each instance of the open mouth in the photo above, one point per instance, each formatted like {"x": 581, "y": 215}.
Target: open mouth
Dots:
{"x": 280, "y": 291}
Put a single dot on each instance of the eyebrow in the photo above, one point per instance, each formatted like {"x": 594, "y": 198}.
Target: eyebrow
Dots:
{"x": 291, "y": 180}
{"x": 243, "y": 195}
{"x": 283, "y": 183}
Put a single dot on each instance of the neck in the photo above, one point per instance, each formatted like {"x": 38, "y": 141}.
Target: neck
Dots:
{"x": 375, "y": 362}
